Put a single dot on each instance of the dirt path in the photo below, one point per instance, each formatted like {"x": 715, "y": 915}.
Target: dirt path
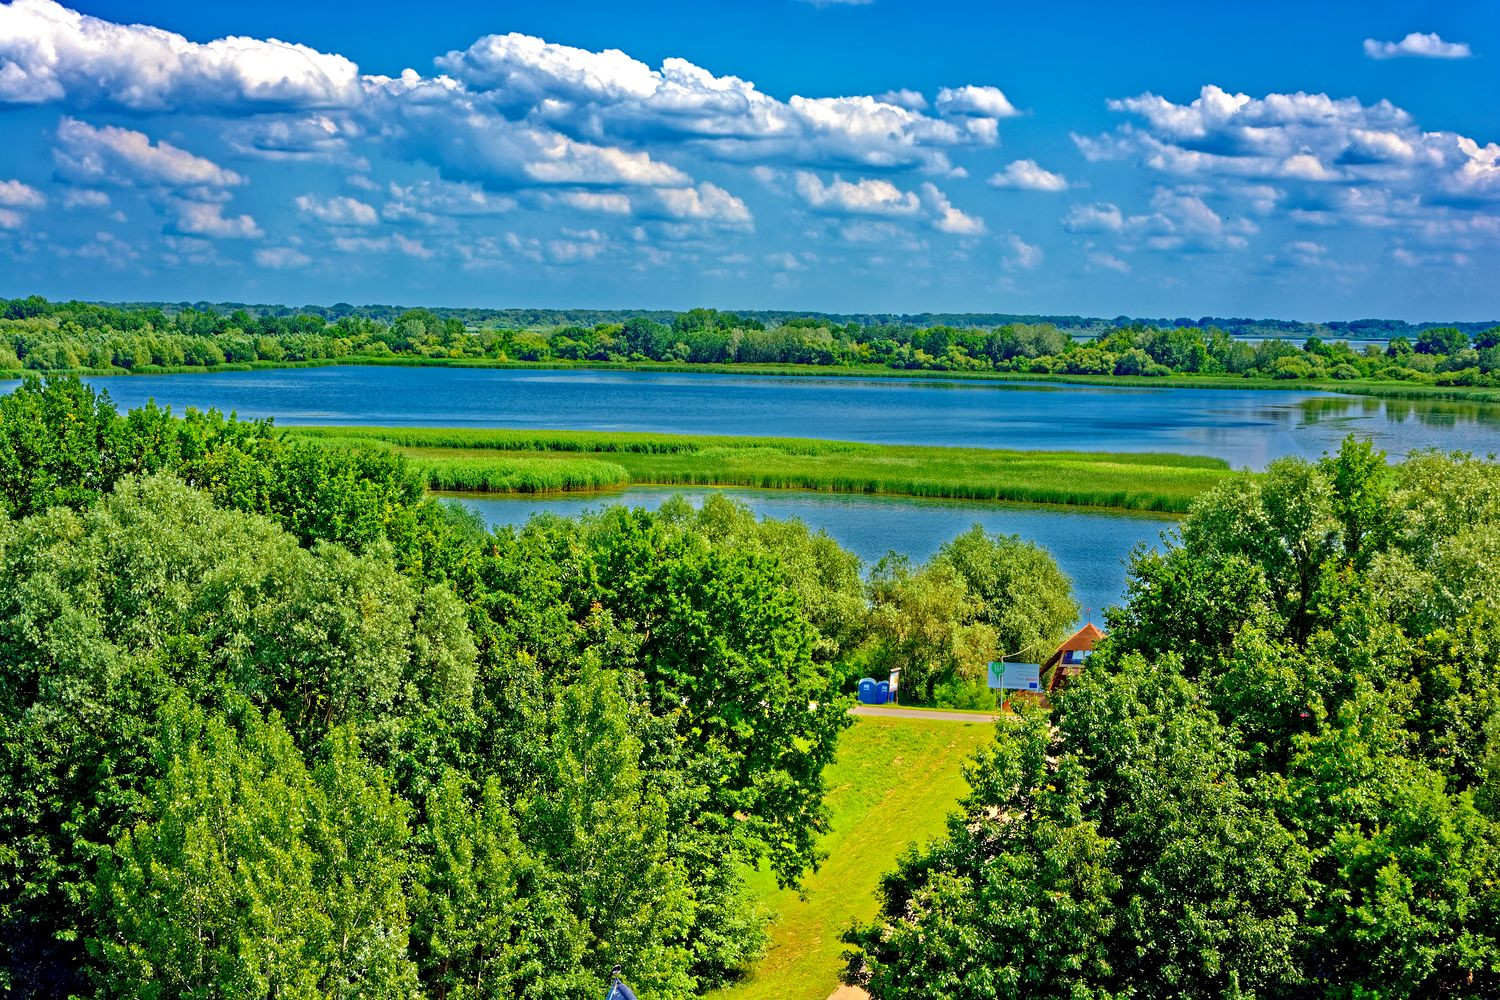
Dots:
{"x": 883, "y": 712}
{"x": 848, "y": 993}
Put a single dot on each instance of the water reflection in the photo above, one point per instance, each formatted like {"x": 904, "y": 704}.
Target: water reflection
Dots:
{"x": 1441, "y": 414}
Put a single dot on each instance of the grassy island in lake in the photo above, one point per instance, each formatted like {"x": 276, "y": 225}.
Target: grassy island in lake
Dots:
{"x": 536, "y": 461}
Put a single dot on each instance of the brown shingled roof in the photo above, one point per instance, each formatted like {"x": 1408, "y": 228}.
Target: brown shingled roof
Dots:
{"x": 1082, "y": 640}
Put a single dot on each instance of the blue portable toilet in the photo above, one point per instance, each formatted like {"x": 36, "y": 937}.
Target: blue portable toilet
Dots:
{"x": 882, "y": 692}
{"x": 867, "y": 691}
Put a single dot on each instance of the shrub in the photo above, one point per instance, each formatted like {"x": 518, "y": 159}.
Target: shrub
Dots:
{"x": 1089, "y": 361}
{"x": 1134, "y": 362}
{"x": 1293, "y": 368}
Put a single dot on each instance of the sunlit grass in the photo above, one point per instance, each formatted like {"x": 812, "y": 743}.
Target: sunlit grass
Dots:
{"x": 894, "y": 783}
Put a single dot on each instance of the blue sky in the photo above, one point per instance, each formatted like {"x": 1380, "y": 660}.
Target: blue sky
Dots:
{"x": 1313, "y": 161}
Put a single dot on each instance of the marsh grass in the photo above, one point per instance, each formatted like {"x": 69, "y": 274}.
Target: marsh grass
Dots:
{"x": 525, "y": 461}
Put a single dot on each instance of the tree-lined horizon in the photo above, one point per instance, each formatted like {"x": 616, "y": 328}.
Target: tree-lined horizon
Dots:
{"x": 38, "y": 335}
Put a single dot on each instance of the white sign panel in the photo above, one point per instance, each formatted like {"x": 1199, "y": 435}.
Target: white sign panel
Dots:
{"x": 1016, "y": 676}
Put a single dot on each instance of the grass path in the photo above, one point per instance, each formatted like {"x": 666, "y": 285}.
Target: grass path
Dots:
{"x": 527, "y": 461}
{"x": 894, "y": 782}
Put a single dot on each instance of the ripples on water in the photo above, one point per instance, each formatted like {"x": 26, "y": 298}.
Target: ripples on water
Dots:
{"x": 1246, "y": 427}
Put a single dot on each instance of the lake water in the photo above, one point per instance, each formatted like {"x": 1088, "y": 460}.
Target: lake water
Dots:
{"x": 1091, "y": 547}
{"x": 1247, "y": 427}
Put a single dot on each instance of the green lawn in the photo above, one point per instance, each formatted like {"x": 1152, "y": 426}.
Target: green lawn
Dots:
{"x": 894, "y": 783}
{"x": 512, "y": 461}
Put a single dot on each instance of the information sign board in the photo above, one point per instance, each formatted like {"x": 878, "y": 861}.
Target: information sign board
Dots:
{"x": 1016, "y": 676}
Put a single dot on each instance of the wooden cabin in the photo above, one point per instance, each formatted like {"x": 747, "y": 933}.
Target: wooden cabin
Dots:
{"x": 1067, "y": 663}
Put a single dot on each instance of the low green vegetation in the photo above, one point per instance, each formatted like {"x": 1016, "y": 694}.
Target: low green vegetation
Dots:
{"x": 1278, "y": 777}
{"x": 526, "y": 461}
{"x": 892, "y": 785}
{"x": 37, "y": 335}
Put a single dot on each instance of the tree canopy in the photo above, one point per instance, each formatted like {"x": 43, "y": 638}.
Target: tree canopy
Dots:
{"x": 277, "y": 722}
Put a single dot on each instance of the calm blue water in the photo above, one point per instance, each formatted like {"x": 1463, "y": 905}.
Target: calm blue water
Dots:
{"x": 1246, "y": 427}
{"x": 1090, "y": 547}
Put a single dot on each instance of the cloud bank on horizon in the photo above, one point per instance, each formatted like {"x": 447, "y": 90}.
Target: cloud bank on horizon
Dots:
{"x": 523, "y": 170}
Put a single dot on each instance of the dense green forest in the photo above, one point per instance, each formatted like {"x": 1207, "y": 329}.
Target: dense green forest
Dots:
{"x": 526, "y": 319}
{"x": 273, "y": 722}
{"x": 37, "y": 335}
{"x": 1278, "y": 777}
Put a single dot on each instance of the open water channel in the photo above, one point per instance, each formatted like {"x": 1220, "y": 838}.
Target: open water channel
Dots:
{"x": 1246, "y": 427}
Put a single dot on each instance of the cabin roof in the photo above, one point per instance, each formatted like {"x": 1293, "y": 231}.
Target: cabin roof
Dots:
{"x": 1083, "y": 639}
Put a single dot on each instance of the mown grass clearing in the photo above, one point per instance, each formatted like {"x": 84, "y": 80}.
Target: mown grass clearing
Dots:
{"x": 521, "y": 461}
{"x": 894, "y": 783}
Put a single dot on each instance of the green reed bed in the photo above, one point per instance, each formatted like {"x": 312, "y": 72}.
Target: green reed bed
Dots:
{"x": 520, "y": 474}
{"x": 611, "y": 442}
{"x": 514, "y": 461}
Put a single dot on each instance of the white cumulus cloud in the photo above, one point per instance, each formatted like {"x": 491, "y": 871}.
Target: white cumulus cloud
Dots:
{"x": 124, "y": 157}
{"x": 1179, "y": 220}
{"x": 337, "y": 211}
{"x": 513, "y": 125}
{"x": 295, "y": 137}
{"x": 948, "y": 219}
{"x": 604, "y": 202}
{"x": 988, "y": 102}
{"x": 281, "y": 258}
{"x": 1021, "y": 256}
{"x": 50, "y": 53}
{"x": 428, "y": 201}
{"x": 85, "y": 198}
{"x": 704, "y": 203}
{"x": 15, "y": 194}
{"x": 1026, "y": 175}
{"x": 611, "y": 96}
{"x": 206, "y": 218}
{"x": 1326, "y": 159}
{"x": 868, "y": 196}
{"x": 1427, "y": 45}
{"x": 1100, "y": 218}
{"x": 912, "y": 100}
{"x": 1108, "y": 261}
